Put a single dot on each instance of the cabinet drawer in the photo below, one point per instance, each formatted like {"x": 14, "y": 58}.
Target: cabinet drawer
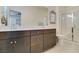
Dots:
{"x": 17, "y": 34}
{"x": 50, "y": 31}
{"x": 4, "y": 35}
{"x": 36, "y": 32}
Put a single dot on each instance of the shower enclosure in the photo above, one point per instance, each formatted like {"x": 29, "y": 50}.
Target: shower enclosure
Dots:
{"x": 69, "y": 23}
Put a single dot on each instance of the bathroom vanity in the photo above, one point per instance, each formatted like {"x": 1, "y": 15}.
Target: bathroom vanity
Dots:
{"x": 22, "y": 31}
{"x": 27, "y": 41}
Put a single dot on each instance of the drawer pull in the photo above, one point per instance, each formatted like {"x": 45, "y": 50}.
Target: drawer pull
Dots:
{"x": 14, "y": 41}
{"x": 11, "y": 42}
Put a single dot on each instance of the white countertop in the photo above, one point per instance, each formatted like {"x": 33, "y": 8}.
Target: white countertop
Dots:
{"x": 26, "y": 28}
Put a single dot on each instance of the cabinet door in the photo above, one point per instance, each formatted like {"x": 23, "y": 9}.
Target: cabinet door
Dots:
{"x": 22, "y": 45}
{"x": 37, "y": 43}
{"x": 5, "y": 46}
{"x": 49, "y": 40}
{"x": 27, "y": 44}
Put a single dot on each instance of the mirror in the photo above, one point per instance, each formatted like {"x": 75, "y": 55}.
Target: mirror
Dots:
{"x": 52, "y": 17}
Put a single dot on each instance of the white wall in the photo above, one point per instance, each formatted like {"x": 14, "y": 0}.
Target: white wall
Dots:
{"x": 0, "y": 11}
{"x": 31, "y": 15}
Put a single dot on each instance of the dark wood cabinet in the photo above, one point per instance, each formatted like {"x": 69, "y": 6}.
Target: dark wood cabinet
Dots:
{"x": 33, "y": 41}
{"x": 49, "y": 39}
{"x": 15, "y": 42}
{"x": 22, "y": 42}
{"x": 19, "y": 45}
{"x": 4, "y": 46}
{"x": 36, "y": 41}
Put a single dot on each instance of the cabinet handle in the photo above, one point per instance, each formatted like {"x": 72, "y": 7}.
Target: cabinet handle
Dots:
{"x": 11, "y": 42}
{"x": 14, "y": 41}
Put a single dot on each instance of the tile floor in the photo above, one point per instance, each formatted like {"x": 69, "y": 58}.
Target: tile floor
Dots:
{"x": 55, "y": 49}
{"x": 66, "y": 47}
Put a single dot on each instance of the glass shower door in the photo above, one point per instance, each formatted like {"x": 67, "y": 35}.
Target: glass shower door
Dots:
{"x": 76, "y": 26}
{"x": 66, "y": 25}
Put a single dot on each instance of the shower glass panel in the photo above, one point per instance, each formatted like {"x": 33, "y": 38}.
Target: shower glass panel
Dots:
{"x": 76, "y": 26}
{"x": 66, "y": 25}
